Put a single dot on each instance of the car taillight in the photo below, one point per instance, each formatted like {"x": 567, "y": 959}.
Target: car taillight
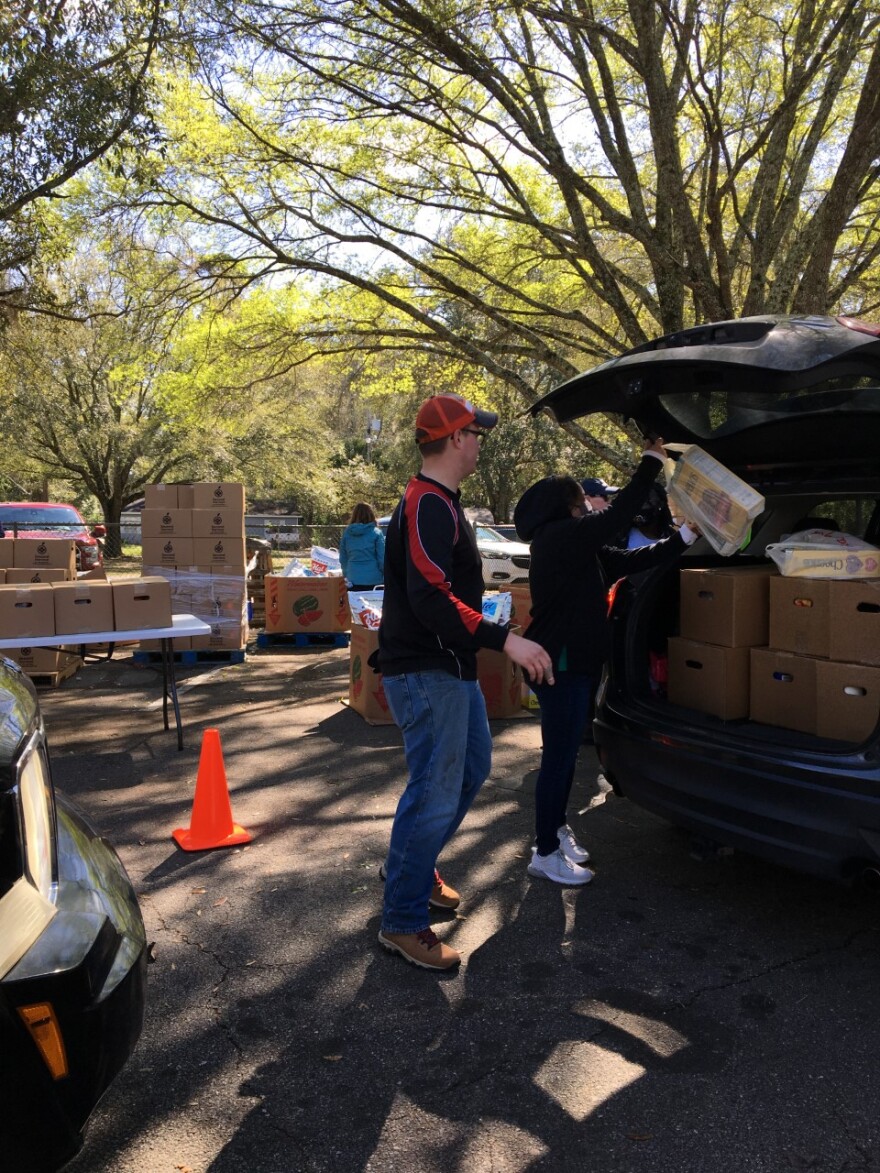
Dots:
{"x": 862, "y": 327}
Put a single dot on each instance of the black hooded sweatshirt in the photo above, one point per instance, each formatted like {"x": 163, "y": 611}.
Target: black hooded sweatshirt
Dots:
{"x": 572, "y": 567}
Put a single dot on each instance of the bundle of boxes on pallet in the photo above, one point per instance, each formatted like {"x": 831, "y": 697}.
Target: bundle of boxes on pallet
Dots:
{"x": 193, "y": 535}
{"x": 798, "y": 653}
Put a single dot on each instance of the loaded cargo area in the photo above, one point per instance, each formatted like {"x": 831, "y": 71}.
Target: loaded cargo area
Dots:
{"x": 731, "y": 643}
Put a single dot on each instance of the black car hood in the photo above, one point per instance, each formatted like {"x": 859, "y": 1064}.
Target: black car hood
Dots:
{"x": 765, "y": 391}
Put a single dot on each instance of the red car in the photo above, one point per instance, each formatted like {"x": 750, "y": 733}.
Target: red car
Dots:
{"x": 44, "y": 519}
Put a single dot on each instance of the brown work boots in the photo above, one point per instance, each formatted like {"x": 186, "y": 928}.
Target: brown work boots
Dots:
{"x": 423, "y": 949}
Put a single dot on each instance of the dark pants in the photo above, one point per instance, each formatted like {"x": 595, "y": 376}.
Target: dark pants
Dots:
{"x": 564, "y": 709}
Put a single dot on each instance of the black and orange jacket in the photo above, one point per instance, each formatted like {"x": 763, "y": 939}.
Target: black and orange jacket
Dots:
{"x": 432, "y": 614}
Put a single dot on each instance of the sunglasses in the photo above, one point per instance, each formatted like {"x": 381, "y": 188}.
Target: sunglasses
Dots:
{"x": 481, "y": 436}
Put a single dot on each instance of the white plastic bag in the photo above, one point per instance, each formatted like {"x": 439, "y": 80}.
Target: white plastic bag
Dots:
{"x": 366, "y": 608}
{"x": 496, "y": 607}
{"x": 297, "y": 569}
{"x": 325, "y": 561}
{"x": 823, "y": 553}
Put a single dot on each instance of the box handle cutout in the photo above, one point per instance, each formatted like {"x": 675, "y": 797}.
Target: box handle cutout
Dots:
{"x": 854, "y": 690}
{"x": 869, "y": 608}
{"x": 705, "y": 594}
{"x": 24, "y": 603}
{"x": 785, "y": 677}
{"x": 693, "y": 664}
{"x": 803, "y": 602}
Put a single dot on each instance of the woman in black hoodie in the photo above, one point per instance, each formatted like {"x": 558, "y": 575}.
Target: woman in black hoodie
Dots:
{"x": 571, "y": 570}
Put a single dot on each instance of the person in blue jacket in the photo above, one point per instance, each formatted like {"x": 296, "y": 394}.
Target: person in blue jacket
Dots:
{"x": 362, "y": 549}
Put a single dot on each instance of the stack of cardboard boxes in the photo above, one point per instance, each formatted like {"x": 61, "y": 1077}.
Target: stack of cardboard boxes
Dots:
{"x": 193, "y": 535}
{"x": 40, "y": 596}
{"x": 797, "y": 653}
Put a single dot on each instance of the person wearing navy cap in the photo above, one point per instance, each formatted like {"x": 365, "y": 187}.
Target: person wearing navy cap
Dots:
{"x": 432, "y": 627}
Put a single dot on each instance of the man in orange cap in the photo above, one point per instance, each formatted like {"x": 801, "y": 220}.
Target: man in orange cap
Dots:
{"x": 432, "y": 627}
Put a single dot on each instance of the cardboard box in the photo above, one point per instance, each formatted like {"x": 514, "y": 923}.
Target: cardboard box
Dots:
{"x": 306, "y": 604}
{"x": 783, "y": 689}
{"x": 3, "y": 575}
{"x": 42, "y": 661}
{"x": 140, "y": 603}
{"x": 18, "y": 575}
{"x": 7, "y": 555}
{"x": 44, "y": 553}
{"x": 366, "y": 694}
{"x": 162, "y": 523}
{"x": 83, "y": 607}
{"x": 226, "y": 635}
{"x": 799, "y": 615}
{"x": 854, "y": 621}
{"x": 219, "y": 552}
{"x": 520, "y": 605}
{"x": 500, "y": 681}
{"x": 709, "y": 678}
{"x": 728, "y": 606}
{"x": 183, "y": 643}
{"x": 160, "y": 497}
{"x": 848, "y": 703}
{"x": 167, "y": 552}
{"x": 27, "y": 610}
{"x": 218, "y": 496}
{"x": 229, "y": 591}
{"x": 217, "y": 523}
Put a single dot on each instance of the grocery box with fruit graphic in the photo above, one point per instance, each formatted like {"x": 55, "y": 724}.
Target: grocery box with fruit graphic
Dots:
{"x": 306, "y": 604}
{"x": 365, "y": 692}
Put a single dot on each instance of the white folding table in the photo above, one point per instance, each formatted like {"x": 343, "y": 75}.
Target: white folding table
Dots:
{"x": 181, "y": 626}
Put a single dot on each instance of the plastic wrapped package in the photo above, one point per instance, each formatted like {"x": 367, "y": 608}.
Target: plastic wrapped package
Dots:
{"x": 366, "y": 608}
{"x": 496, "y": 607}
{"x": 296, "y": 569}
{"x": 822, "y": 553}
{"x": 716, "y": 500}
{"x": 325, "y": 561}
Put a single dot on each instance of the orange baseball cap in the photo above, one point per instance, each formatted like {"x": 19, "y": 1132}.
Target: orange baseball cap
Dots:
{"x": 441, "y": 415}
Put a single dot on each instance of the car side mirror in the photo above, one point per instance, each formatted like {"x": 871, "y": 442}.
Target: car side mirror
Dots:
{"x": 99, "y": 531}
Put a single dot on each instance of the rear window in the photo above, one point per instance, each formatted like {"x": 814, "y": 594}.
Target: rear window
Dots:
{"x": 35, "y": 518}
{"x": 710, "y": 412}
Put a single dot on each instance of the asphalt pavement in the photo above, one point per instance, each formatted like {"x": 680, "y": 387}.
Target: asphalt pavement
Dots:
{"x": 686, "y": 1011}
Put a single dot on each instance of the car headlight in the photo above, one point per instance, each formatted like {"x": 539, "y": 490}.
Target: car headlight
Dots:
{"x": 37, "y": 818}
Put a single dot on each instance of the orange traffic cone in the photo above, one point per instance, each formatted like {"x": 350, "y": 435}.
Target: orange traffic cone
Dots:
{"x": 211, "y": 822}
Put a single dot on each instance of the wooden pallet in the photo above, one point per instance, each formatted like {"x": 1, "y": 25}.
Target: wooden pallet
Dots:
{"x": 303, "y": 639}
{"x": 53, "y": 679}
{"x": 192, "y": 656}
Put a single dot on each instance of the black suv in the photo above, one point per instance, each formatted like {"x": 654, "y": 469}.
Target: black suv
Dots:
{"x": 72, "y": 950}
{"x": 792, "y": 405}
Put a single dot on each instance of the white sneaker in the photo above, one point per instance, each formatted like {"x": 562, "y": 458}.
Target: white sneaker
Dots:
{"x": 559, "y": 868}
{"x": 570, "y": 845}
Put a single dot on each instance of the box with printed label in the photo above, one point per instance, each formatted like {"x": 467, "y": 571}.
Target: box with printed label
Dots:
{"x": 37, "y": 661}
{"x": 219, "y": 552}
{"x": 45, "y": 553}
{"x": 848, "y": 702}
{"x": 218, "y": 496}
{"x": 366, "y": 694}
{"x": 306, "y": 604}
{"x": 83, "y": 607}
{"x": 520, "y": 605}
{"x": 27, "y": 610}
{"x": 161, "y": 496}
{"x": 710, "y": 678}
{"x": 225, "y": 635}
{"x": 164, "y": 552}
{"x": 500, "y": 681}
{"x": 166, "y": 523}
{"x": 20, "y": 574}
{"x": 783, "y": 689}
{"x": 854, "y": 634}
{"x": 7, "y": 552}
{"x": 728, "y": 606}
{"x": 800, "y": 615}
{"x": 217, "y": 523}
{"x": 140, "y": 603}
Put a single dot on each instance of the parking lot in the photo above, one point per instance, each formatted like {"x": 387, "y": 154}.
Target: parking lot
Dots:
{"x": 686, "y": 1011}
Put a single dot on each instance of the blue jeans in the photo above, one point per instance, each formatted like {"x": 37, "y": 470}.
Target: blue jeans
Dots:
{"x": 565, "y": 706}
{"x": 448, "y": 750}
